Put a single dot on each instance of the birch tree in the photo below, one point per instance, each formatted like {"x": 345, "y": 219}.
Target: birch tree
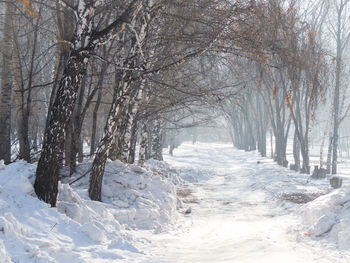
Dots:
{"x": 85, "y": 40}
{"x": 123, "y": 95}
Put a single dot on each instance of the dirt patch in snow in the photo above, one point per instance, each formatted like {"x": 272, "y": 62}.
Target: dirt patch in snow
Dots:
{"x": 300, "y": 198}
{"x": 186, "y": 195}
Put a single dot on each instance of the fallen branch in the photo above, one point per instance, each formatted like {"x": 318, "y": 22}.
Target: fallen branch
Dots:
{"x": 80, "y": 177}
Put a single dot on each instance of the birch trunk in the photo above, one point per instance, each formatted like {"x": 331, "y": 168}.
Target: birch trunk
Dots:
{"x": 131, "y": 116}
{"x": 144, "y": 149}
{"x": 133, "y": 141}
{"x": 156, "y": 150}
{"x": 50, "y": 162}
{"x": 98, "y": 166}
{"x": 126, "y": 93}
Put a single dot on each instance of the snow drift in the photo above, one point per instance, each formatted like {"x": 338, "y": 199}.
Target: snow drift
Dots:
{"x": 31, "y": 231}
{"x": 328, "y": 218}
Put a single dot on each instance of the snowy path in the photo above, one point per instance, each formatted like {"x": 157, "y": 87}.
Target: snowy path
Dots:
{"x": 234, "y": 220}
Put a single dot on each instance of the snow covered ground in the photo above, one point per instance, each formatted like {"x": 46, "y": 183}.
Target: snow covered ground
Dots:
{"x": 247, "y": 209}
{"x": 244, "y": 208}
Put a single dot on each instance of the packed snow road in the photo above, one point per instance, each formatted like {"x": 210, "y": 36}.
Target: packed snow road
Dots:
{"x": 237, "y": 214}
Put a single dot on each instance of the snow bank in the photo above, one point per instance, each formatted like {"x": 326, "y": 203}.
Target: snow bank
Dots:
{"x": 81, "y": 230}
{"x": 165, "y": 170}
{"x": 17, "y": 177}
{"x": 328, "y": 218}
{"x": 142, "y": 198}
{"x": 145, "y": 198}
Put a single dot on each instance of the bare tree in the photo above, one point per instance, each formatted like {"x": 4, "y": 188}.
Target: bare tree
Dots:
{"x": 341, "y": 33}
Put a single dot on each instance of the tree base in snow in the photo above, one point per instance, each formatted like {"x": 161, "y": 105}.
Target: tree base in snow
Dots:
{"x": 319, "y": 173}
{"x": 336, "y": 182}
{"x": 293, "y": 167}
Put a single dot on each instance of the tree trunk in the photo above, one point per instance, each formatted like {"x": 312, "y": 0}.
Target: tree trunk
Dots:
{"x": 261, "y": 123}
{"x": 6, "y": 87}
{"x": 296, "y": 152}
{"x": 97, "y": 106}
{"x": 80, "y": 145}
{"x": 116, "y": 151}
{"x": 335, "y": 126}
{"x": 98, "y": 166}
{"x": 75, "y": 129}
{"x": 157, "y": 147}
{"x": 144, "y": 149}
{"x": 25, "y": 149}
{"x": 271, "y": 144}
{"x": 306, "y": 161}
{"x": 130, "y": 119}
{"x": 337, "y": 89}
{"x": 278, "y": 148}
{"x": 68, "y": 144}
{"x": 47, "y": 173}
{"x": 263, "y": 143}
{"x": 126, "y": 92}
{"x": 133, "y": 141}
{"x": 19, "y": 94}
{"x": 329, "y": 154}
{"x": 303, "y": 142}
{"x": 321, "y": 149}
{"x": 94, "y": 122}
{"x": 35, "y": 138}
{"x": 65, "y": 23}
{"x": 123, "y": 95}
